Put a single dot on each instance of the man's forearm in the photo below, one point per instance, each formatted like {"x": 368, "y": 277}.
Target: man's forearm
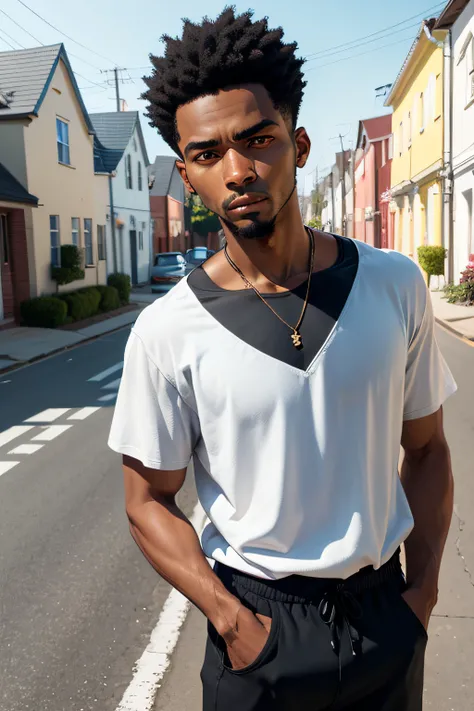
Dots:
{"x": 428, "y": 483}
{"x": 169, "y": 542}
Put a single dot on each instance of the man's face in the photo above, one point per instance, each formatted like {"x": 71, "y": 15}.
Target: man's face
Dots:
{"x": 240, "y": 156}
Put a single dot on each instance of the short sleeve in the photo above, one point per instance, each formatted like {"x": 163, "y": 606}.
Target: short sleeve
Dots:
{"x": 428, "y": 380}
{"x": 151, "y": 423}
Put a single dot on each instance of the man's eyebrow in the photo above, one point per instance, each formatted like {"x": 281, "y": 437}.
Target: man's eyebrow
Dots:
{"x": 240, "y": 136}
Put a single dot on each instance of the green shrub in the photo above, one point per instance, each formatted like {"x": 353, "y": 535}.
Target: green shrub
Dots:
{"x": 431, "y": 260}
{"x": 82, "y": 304}
{"x": 123, "y": 285}
{"x": 71, "y": 265}
{"x": 44, "y": 312}
{"x": 110, "y": 298}
{"x": 460, "y": 293}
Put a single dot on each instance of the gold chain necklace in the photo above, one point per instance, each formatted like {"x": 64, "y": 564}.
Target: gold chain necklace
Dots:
{"x": 295, "y": 330}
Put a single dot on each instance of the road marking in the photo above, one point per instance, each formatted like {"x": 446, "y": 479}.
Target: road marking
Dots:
{"x": 155, "y": 660}
{"x": 50, "y": 415}
{"x": 6, "y": 466}
{"x": 13, "y": 432}
{"x": 113, "y": 385}
{"x": 84, "y": 413}
{"x": 26, "y": 449}
{"x": 50, "y": 433}
{"x": 105, "y": 373}
{"x": 107, "y": 398}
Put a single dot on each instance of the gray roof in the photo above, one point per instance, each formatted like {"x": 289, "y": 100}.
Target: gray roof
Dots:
{"x": 114, "y": 131}
{"x": 25, "y": 76}
{"x": 13, "y": 191}
{"x": 161, "y": 172}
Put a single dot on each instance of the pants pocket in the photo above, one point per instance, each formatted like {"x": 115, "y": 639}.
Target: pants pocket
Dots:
{"x": 265, "y": 655}
{"x": 415, "y": 620}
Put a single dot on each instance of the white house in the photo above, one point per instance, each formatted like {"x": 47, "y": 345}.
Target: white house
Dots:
{"x": 122, "y": 149}
{"x": 458, "y": 16}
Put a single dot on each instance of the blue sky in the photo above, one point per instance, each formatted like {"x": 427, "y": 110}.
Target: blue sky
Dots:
{"x": 341, "y": 84}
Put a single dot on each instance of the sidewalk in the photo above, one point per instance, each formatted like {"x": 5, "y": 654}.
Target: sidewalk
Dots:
{"x": 455, "y": 317}
{"x": 22, "y": 345}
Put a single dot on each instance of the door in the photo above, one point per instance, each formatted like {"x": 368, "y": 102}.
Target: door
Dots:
{"x": 133, "y": 256}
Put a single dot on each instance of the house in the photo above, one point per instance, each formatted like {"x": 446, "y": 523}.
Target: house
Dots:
{"x": 167, "y": 196}
{"x": 458, "y": 17}
{"x": 373, "y": 158}
{"x": 121, "y": 148}
{"x": 418, "y": 180}
{"x": 47, "y": 146}
{"x": 15, "y": 223}
{"x": 337, "y": 214}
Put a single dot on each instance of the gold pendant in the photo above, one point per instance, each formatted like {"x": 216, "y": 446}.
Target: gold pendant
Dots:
{"x": 296, "y": 338}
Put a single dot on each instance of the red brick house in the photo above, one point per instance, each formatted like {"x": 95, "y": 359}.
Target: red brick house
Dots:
{"x": 14, "y": 267}
{"x": 167, "y": 206}
{"x": 372, "y": 173}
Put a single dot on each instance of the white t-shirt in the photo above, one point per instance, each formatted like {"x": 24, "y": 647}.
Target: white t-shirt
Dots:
{"x": 296, "y": 470}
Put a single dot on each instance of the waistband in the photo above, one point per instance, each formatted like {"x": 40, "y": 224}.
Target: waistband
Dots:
{"x": 301, "y": 589}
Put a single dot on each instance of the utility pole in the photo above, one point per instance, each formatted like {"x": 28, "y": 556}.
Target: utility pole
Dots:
{"x": 343, "y": 184}
{"x": 117, "y": 71}
{"x": 117, "y": 94}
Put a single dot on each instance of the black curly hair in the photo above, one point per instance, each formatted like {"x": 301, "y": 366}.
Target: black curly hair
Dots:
{"x": 215, "y": 54}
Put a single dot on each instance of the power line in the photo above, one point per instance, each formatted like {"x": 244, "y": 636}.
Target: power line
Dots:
{"x": 360, "y": 54}
{"x": 12, "y": 38}
{"x": 373, "y": 34}
{"x": 63, "y": 33}
{"x": 7, "y": 43}
{"x": 21, "y": 28}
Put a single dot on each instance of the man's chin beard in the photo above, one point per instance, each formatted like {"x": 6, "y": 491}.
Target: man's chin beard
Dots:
{"x": 254, "y": 231}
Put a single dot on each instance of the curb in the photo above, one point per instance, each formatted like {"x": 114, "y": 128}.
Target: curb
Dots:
{"x": 453, "y": 330}
{"x": 23, "y": 363}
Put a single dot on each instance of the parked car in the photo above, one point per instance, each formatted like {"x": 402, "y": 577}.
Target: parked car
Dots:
{"x": 196, "y": 256}
{"x": 167, "y": 270}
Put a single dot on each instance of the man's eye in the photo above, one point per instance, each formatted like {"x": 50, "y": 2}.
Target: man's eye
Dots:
{"x": 261, "y": 140}
{"x": 207, "y": 155}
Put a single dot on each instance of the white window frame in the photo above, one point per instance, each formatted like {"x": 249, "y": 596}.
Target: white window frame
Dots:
{"x": 400, "y": 139}
{"x": 140, "y": 176}
{"x": 470, "y": 71}
{"x": 56, "y": 247}
{"x": 76, "y": 231}
{"x": 128, "y": 172}
{"x": 423, "y": 111}
{"x": 88, "y": 242}
{"x": 390, "y": 147}
{"x": 63, "y": 145}
{"x": 140, "y": 241}
{"x": 101, "y": 245}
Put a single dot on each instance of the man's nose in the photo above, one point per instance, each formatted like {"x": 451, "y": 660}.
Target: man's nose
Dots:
{"x": 239, "y": 170}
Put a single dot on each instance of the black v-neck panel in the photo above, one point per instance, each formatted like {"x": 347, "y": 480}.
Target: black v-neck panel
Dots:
{"x": 248, "y": 318}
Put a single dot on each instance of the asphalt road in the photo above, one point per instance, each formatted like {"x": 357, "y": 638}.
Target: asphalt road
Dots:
{"x": 77, "y": 600}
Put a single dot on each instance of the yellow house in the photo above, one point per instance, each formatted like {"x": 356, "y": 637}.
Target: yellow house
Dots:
{"x": 47, "y": 144}
{"x": 418, "y": 131}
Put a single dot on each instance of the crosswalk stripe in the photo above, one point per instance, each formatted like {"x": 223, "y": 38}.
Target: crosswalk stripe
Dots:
{"x": 6, "y": 466}
{"x": 49, "y": 415}
{"x": 26, "y": 449}
{"x": 50, "y": 433}
{"x": 13, "y": 432}
{"x": 83, "y": 413}
{"x": 105, "y": 373}
{"x": 107, "y": 398}
{"x": 113, "y": 385}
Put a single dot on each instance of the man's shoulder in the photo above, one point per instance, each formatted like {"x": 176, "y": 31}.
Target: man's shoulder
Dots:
{"x": 165, "y": 317}
{"x": 393, "y": 267}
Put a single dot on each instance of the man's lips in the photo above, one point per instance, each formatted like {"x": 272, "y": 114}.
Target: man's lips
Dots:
{"x": 246, "y": 201}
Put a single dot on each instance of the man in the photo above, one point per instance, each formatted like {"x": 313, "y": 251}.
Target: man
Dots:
{"x": 289, "y": 368}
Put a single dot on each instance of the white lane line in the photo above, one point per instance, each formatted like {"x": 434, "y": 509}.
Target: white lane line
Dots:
{"x": 113, "y": 385}
{"x": 155, "y": 660}
{"x": 105, "y": 373}
{"x": 26, "y": 449}
{"x": 6, "y": 466}
{"x": 50, "y": 433}
{"x": 84, "y": 413}
{"x": 107, "y": 398}
{"x": 50, "y": 415}
{"x": 13, "y": 432}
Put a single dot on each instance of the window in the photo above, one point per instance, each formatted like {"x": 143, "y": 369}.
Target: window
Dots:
{"x": 128, "y": 172}
{"x": 76, "y": 230}
{"x": 422, "y": 112}
{"x": 140, "y": 241}
{"x": 4, "y": 251}
{"x": 101, "y": 242}
{"x": 140, "y": 178}
{"x": 54, "y": 240}
{"x": 390, "y": 147}
{"x": 400, "y": 138}
{"x": 88, "y": 241}
{"x": 169, "y": 260}
{"x": 470, "y": 71}
{"x": 409, "y": 131}
{"x": 62, "y": 135}
{"x": 135, "y": 147}
{"x": 384, "y": 153}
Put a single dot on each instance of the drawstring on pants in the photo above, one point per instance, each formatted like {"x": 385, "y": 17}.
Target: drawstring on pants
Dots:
{"x": 338, "y": 609}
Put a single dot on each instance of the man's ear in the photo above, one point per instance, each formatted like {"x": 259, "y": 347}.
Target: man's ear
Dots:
{"x": 181, "y": 166}
{"x": 303, "y": 147}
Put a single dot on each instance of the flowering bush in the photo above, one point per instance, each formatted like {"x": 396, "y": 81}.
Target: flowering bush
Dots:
{"x": 468, "y": 273}
{"x": 464, "y": 291}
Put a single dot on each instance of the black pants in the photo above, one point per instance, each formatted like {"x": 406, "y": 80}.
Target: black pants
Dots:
{"x": 333, "y": 645}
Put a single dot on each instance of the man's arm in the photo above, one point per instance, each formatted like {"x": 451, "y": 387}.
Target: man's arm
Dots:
{"x": 170, "y": 544}
{"x": 428, "y": 483}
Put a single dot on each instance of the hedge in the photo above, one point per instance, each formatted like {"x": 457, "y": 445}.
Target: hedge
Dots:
{"x": 44, "y": 312}
{"x": 54, "y": 311}
{"x": 431, "y": 260}
{"x": 71, "y": 265}
{"x": 123, "y": 285}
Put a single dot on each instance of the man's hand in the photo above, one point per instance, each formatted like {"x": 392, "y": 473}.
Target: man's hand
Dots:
{"x": 420, "y": 603}
{"x": 248, "y": 640}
